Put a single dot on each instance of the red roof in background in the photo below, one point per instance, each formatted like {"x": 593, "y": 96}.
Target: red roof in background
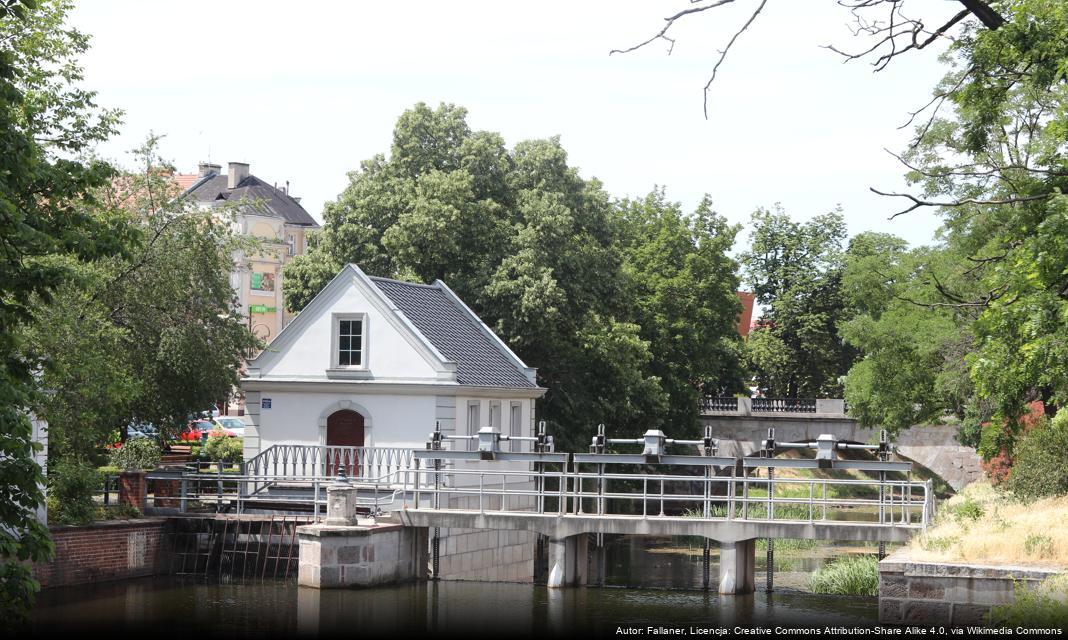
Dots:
{"x": 186, "y": 180}
{"x": 745, "y": 318}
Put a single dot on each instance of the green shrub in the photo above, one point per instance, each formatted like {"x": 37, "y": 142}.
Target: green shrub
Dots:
{"x": 138, "y": 453}
{"x": 1039, "y": 470}
{"x": 118, "y": 512}
{"x": 71, "y": 484}
{"x": 1039, "y": 546}
{"x": 853, "y": 576}
{"x": 1042, "y": 607}
{"x": 967, "y": 509}
{"x": 222, "y": 448}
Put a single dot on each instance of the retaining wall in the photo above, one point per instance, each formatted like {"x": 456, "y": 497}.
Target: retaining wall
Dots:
{"x": 488, "y": 555}
{"x": 915, "y": 592}
{"x": 110, "y": 550}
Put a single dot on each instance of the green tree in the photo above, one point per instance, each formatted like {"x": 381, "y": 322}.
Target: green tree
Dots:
{"x": 795, "y": 270}
{"x": 993, "y": 163}
{"x": 47, "y": 207}
{"x": 912, "y": 368}
{"x": 150, "y": 336}
{"x": 682, "y": 286}
{"x": 547, "y": 260}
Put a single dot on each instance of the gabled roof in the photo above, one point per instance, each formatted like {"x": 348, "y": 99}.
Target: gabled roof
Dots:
{"x": 481, "y": 358}
{"x": 264, "y": 199}
{"x": 433, "y": 319}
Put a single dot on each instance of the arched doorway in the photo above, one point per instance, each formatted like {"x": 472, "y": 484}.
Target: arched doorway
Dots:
{"x": 343, "y": 429}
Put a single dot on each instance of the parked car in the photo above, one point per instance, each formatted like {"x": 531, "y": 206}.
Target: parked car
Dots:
{"x": 232, "y": 426}
{"x": 142, "y": 430}
{"x": 196, "y": 430}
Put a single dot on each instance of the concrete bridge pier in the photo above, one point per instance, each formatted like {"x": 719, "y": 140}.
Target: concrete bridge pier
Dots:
{"x": 567, "y": 561}
{"x": 737, "y": 567}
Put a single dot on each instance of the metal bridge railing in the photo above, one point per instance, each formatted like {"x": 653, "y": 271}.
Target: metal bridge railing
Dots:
{"x": 221, "y": 492}
{"x": 901, "y": 503}
{"x": 301, "y": 461}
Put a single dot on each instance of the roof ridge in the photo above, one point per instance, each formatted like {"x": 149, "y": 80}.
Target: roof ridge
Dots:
{"x": 411, "y": 284}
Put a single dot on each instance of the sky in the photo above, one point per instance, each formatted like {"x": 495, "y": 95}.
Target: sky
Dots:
{"x": 305, "y": 91}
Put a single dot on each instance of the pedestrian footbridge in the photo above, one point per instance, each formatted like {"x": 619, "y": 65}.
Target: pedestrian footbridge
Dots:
{"x": 653, "y": 485}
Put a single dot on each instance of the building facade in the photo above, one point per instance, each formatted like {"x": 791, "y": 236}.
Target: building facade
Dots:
{"x": 267, "y": 213}
{"x": 376, "y": 362}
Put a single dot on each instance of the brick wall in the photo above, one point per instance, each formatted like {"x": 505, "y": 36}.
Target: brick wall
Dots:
{"x": 103, "y": 551}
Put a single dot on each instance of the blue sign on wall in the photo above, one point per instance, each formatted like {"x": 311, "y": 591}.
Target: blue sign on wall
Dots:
{"x": 265, "y": 403}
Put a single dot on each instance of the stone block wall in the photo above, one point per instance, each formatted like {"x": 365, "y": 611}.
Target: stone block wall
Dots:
{"x": 486, "y": 554}
{"x": 360, "y": 556}
{"x": 936, "y": 447}
{"x": 101, "y": 551}
{"x": 912, "y": 592}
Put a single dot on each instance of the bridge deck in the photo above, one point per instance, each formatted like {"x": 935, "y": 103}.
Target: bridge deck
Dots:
{"x": 721, "y": 529}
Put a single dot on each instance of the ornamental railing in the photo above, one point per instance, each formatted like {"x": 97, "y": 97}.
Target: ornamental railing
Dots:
{"x": 784, "y": 405}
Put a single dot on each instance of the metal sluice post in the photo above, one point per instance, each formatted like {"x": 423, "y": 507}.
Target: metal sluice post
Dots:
{"x": 884, "y": 455}
{"x": 435, "y": 544}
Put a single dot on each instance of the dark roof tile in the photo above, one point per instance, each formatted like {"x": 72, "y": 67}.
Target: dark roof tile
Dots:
{"x": 264, "y": 199}
{"x": 455, "y": 334}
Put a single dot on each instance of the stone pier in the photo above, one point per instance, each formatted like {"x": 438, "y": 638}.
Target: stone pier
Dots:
{"x": 737, "y": 567}
{"x": 343, "y": 552}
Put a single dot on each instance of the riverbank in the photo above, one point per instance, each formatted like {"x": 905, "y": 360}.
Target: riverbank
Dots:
{"x": 984, "y": 525}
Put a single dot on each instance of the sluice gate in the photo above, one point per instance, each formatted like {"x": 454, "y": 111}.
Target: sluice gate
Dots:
{"x": 231, "y": 547}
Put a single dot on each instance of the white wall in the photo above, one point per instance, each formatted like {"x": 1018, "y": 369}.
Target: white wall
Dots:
{"x": 308, "y": 353}
{"x": 389, "y": 420}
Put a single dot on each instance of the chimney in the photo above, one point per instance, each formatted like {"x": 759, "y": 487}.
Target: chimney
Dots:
{"x": 238, "y": 171}
{"x": 207, "y": 168}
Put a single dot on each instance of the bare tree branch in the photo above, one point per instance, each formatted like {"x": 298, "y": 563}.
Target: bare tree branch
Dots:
{"x": 670, "y": 20}
{"x": 723, "y": 54}
{"x": 917, "y": 202}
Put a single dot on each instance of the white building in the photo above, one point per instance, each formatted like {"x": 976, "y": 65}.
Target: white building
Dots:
{"x": 376, "y": 362}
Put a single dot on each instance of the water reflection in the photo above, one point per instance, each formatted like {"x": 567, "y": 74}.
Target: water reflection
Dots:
{"x": 668, "y": 570}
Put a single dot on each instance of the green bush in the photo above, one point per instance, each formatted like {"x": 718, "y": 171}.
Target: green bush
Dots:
{"x": 1042, "y": 607}
{"x": 71, "y": 484}
{"x": 967, "y": 509}
{"x": 138, "y": 453}
{"x": 118, "y": 512}
{"x": 853, "y": 576}
{"x": 222, "y": 448}
{"x": 1039, "y": 470}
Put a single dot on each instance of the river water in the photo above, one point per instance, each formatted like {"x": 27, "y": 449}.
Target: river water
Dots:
{"x": 651, "y": 582}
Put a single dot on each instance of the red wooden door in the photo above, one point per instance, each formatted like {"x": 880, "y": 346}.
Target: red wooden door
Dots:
{"x": 343, "y": 429}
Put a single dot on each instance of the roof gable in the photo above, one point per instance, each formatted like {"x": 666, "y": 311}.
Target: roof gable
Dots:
{"x": 431, "y": 318}
{"x": 263, "y": 198}
{"x": 458, "y": 334}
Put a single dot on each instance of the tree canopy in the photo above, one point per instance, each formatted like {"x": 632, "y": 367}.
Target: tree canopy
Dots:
{"x": 549, "y": 261}
{"x": 984, "y": 313}
{"x": 48, "y": 207}
{"x": 795, "y": 270}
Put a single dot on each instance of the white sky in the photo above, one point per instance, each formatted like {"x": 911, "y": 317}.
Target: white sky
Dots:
{"x": 305, "y": 91}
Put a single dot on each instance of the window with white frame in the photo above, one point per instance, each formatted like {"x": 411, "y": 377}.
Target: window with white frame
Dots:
{"x": 515, "y": 425}
{"x": 350, "y": 341}
{"x": 473, "y": 408}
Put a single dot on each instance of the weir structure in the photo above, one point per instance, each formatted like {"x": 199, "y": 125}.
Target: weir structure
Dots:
{"x": 388, "y": 527}
{"x": 566, "y": 497}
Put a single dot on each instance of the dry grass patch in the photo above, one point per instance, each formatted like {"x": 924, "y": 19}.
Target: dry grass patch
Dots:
{"x": 984, "y": 525}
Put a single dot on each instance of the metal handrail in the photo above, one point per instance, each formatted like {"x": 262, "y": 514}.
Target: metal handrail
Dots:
{"x": 902, "y": 499}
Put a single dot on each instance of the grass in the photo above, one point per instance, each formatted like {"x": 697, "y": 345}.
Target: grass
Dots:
{"x": 986, "y": 525}
{"x": 852, "y": 576}
{"x": 1042, "y": 607}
